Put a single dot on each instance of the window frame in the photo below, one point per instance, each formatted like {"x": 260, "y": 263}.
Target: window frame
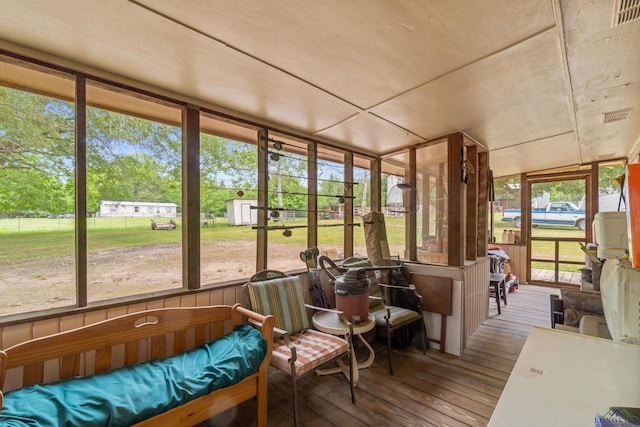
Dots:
{"x": 191, "y": 214}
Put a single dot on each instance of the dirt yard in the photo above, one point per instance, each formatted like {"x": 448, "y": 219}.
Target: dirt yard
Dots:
{"x": 49, "y": 283}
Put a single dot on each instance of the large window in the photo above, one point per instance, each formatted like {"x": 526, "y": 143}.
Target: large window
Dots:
{"x": 37, "y": 228}
{"x": 331, "y": 202}
{"x": 432, "y": 214}
{"x": 395, "y": 202}
{"x": 134, "y": 195}
{"x": 361, "y": 201}
{"x": 263, "y": 200}
{"x": 507, "y": 193}
{"x": 288, "y": 188}
{"x": 228, "y": 202}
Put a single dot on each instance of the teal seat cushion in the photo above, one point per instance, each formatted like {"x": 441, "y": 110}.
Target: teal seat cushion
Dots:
{"x": 131, "y": 394}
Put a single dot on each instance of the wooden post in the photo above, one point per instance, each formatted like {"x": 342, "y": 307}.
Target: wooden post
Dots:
{"x": 593, "y": 199}
{"x": 471, "y": 232}
{"x": 483, "y": 202}
{"x": 81, "y": 192}
{"x": 263, "y": 188}
{"x": 412, "y": 217}
{"x": 376, "y": 185}
{"x": 191, "y": 197}
{"x": 312, "y": 191}
{"x": 455, "y": 201}
{"x": 441, "y": 213}
{"x": 525, "y": 213}
{"x": 348, "y": 204}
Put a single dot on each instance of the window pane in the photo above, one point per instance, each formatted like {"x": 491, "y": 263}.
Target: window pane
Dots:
{"x": 609, "y": 188}
{"x": 361, "y": 202}
{"x": 507, "y": 197}
{"x": 554, "y": 209}
{"x": 134, "y": 194}
{"x": 228, "y": 203}
{"x": 395, "y": 203}
{"x": 287, "y": 191}
{"x": 37, "y": 196}
{"x": 331, "y": 202}
{"x": 432, "y": 213}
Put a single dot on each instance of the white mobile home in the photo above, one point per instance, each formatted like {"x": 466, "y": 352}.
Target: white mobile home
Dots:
{"x": 239, "y": 212}
{"x": 120, "y": 209}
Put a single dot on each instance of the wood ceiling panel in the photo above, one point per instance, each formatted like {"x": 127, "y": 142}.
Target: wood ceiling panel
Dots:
{"x": 604, "y": 62}
{"x": 127, "y": 40}
{"x": 364, "y": 51}
{"x": 370, "y": 133}
{"x": 515, "y": 96}
{"x": 538, "y": 155}
{"x": 495, "y": 69}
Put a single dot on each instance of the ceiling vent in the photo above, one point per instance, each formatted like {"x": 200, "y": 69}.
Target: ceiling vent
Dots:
{"x": 616, "y": 116}
{"x": 626, "y": 11}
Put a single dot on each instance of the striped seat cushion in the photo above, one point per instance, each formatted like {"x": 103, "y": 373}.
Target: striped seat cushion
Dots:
{"x": 398, "y": 315}
{"x": 283, "y": 299}
{"x": 313, "y": 349}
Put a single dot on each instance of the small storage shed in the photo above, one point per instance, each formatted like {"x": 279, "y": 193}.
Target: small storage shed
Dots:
{"x": 121, "y": 209}
{"x": 239, "y": 212}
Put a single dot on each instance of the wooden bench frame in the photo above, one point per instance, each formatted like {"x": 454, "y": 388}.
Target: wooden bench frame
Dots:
{"x": 140, "y": 337}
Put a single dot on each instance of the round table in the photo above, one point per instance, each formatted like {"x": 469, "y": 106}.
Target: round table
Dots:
{"x": 330, "y": 323}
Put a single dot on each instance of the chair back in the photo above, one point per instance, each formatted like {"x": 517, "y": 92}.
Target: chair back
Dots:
{"x": 283, "y": 299}
{"x": 496, "y": 264}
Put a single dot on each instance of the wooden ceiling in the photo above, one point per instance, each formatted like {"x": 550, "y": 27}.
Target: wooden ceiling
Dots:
{"x": 529, "y": 80}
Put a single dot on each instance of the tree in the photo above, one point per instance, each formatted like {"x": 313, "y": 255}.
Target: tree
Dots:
{"x": 128, "y": 158}
{"x": 36, "y": 133}
{"x": 36, "y": 153}
{"x": 287, "y": 182}
{"x": 227, "y": 168}
{"x": 132, "y": 159}
{"x": 607, "y": 176}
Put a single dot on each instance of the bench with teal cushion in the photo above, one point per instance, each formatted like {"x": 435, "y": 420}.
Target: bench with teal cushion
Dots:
{"x": 134, "y": 393}
{"x": 137, "y": 392}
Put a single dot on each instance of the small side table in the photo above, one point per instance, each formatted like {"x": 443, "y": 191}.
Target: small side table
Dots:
{"x": 330, "y": 323}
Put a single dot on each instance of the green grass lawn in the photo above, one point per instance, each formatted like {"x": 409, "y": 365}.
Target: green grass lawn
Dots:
{"x": 38, "y": 238}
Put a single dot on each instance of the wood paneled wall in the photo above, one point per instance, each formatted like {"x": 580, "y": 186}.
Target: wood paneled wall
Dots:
{"x": 475, "y": 296}
{"x": 518, "y": 260}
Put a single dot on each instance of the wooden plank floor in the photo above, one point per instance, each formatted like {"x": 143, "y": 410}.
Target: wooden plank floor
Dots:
{"x": 566, "y": 277}
{"x": 432, "y": 390}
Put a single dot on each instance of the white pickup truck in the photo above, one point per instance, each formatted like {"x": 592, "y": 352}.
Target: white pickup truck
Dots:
{"x": 555, "y": 213}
